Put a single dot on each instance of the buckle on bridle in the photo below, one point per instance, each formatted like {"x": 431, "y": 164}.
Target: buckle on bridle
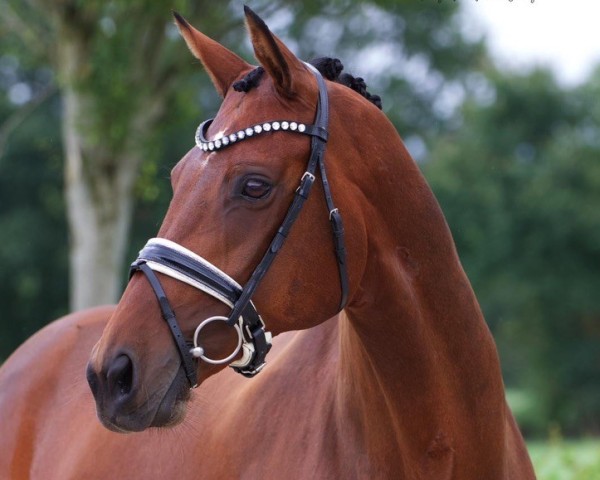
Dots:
{"x": 253, "y": 371}
{"x": 310, "y": 176}
{"x": 306, "y": 183}
{"x": 257, "y": 343}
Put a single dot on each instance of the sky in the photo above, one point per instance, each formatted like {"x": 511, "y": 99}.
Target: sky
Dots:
{"x": 562, "y": 34}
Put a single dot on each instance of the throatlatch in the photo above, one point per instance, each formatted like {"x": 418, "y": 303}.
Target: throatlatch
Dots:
{"x": 169, "y": 258}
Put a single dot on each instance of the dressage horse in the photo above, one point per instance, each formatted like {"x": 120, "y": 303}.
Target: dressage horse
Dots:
{"x": 298, "y": 221}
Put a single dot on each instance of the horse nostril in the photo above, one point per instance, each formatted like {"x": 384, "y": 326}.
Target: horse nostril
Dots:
{"x": 92, "y": 378}
{"x": 120, "y": 376}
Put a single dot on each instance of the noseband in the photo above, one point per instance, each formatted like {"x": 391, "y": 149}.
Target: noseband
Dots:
{"x": 171, "y": 259}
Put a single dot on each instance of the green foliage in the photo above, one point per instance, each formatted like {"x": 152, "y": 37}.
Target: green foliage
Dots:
{"x": 33, "y": 253}
{"x": 520, "y": 186}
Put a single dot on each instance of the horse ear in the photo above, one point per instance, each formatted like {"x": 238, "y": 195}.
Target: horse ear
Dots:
{"x": 279, "y": 62}
{"x": 222, "y": 65}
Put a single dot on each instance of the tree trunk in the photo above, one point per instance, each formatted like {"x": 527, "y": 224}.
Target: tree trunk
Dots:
{"x": 99, "y": 208}
{"x": 99, "y": 181}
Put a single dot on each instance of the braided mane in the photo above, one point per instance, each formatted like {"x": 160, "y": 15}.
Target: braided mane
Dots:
{"x": 330, "y": 68}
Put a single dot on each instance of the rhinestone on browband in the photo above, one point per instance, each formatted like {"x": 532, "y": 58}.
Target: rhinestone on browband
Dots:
{"x": 222, "y": 141}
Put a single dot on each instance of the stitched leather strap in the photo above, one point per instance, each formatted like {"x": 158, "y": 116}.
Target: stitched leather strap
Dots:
{"x": 189, "y": 267}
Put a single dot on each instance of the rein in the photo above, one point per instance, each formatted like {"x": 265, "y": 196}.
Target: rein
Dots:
{"x": 174, "y": 260}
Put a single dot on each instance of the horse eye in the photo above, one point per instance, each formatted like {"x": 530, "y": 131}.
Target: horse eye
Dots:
{"x": 255, "y": 188}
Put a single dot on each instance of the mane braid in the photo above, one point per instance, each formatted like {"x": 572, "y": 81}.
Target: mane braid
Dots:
{"x": 250, "y": 81}
{"x": 330, "y": 68}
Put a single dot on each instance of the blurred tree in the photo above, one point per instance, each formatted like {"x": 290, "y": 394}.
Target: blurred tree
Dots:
{"x": 116, "y": 69}
{"x": 33, "y": 236}
{"x": 520, "y": 185}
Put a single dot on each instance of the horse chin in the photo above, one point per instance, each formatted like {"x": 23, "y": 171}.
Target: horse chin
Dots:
{"x": 171, "y": 409}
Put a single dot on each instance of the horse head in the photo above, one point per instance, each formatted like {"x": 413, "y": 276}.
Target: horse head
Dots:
{"x": 232, "y": 196}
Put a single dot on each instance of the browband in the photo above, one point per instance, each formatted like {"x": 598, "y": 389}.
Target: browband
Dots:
{"x": 222, "y": 141}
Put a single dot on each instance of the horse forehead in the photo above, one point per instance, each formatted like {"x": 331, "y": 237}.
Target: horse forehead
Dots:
{"x": 243, "y": 109}
{"x": 239, "y": 109}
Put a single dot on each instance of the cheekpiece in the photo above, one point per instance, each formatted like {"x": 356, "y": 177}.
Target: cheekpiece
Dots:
{"x": 222, "y": 141}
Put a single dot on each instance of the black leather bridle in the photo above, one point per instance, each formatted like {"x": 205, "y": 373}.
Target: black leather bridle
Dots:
{"x": 178, "y": 262}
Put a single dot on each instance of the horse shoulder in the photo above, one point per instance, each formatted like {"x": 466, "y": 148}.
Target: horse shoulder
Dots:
{"x": 33, "y": 382}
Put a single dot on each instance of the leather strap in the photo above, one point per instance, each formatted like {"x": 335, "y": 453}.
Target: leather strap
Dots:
{"x": 189, "y": 366}
{"x": 191, "y": 268}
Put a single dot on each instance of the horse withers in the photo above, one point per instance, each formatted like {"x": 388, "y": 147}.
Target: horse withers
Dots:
{"x": 298, "y": 221}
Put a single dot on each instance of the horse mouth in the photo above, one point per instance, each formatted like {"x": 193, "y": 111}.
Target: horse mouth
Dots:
{"x": 158, "y": 411}
{"x": 171, "y": 409}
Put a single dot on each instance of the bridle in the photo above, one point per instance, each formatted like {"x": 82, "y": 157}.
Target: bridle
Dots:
{"x": 169, "y": 258}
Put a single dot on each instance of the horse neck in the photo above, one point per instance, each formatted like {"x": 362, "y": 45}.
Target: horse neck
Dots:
{"x": 416, "y": 357}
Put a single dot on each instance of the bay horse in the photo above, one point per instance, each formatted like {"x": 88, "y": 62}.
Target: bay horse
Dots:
{"x": 382, "y": 365}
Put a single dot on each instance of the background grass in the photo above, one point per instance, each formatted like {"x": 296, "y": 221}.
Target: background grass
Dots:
{"x": 559, "y": 459}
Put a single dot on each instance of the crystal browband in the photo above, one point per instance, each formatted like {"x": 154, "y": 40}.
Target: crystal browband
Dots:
{"x": 223, "y": 141}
